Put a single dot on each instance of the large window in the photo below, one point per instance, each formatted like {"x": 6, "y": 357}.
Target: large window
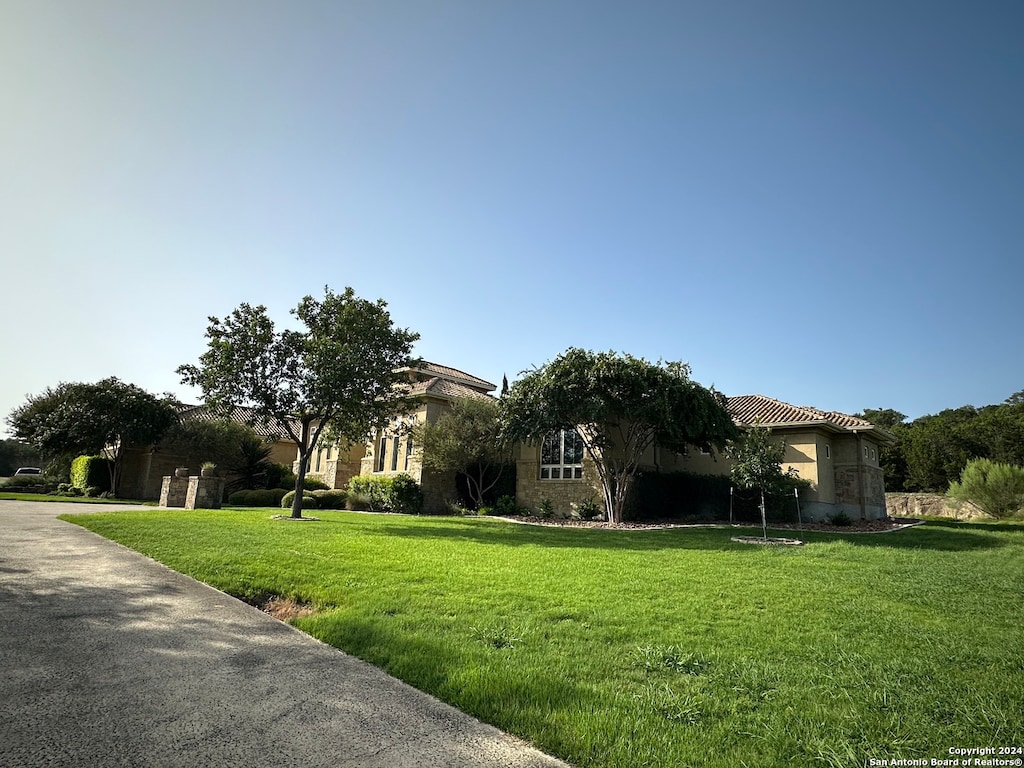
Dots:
{"x": 382, "y": 451}
{"x": 561, "y": 456}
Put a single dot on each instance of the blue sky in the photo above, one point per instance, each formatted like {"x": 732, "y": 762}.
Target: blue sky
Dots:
{"x": 819, "y": 202}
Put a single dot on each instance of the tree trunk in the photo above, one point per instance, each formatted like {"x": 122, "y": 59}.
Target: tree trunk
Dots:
{"x": 300, "y": 476}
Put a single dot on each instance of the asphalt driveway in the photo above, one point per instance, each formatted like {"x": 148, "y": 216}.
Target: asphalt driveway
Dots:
{"x": 108, "y": 658}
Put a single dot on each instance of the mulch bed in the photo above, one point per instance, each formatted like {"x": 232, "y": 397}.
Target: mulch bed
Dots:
{"x": 857, "y": 526}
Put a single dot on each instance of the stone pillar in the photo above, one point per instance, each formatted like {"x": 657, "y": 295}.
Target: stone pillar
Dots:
{"x": 204, "y": 492}
{"x": 173, "y": 491}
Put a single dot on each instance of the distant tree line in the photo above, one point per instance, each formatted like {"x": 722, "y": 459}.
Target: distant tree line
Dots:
{"x": 932, "y": 451}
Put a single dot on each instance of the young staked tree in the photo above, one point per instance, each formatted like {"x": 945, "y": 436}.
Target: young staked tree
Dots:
{"x": 337, "y": 378}
{"x": 466, "y": 438}
{"x": 620, "y": 405}
{"x": 996, "y": 488}
{"x": 102, "y": 418}
{"x": 757, "y": 465}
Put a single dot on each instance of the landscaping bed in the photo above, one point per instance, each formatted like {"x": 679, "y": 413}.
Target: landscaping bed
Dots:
{"x": 857, "y": 526}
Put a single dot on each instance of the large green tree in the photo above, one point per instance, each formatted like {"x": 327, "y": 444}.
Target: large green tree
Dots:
{"x": 335, "y": 378}
{"x": 102, "y": 418}
{"x": 466, "y": 438}
{"x": 620, "y": 405}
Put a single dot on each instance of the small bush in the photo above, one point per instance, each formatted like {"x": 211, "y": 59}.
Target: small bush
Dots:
{"x": 308, "y": 502}
{"x": 588, "y": 510}
{"x": 546, "y": 509}
{"x": 393, "y": 493}
{"x": 280, "y": 476}
{"x": 270, "y": 497}
{"x": 995, "y": 487}
{"x": 330, "y": 499}
{"x": 453, "y": 507}
{"x": 313, "y": 484}
{"x": 840, "y": 519}
{"x": 357, "y": 502}
{"x": 92, "y": 491}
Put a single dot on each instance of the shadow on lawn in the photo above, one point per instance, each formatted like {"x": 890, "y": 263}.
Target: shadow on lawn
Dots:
{"x": 942, "y": 537}
{"x": 513, "y": 534}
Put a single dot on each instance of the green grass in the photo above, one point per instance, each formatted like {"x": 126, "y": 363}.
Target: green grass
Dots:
{"x": 656, "y": 648}
{"x": 73, "y": 499}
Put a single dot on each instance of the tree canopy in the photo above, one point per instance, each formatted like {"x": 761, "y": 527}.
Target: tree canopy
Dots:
{"x": 619, "y": 405}
{"x": 102, "y": 418}
{"x": 931, "y": 451}
{"x": 338, "y": 377}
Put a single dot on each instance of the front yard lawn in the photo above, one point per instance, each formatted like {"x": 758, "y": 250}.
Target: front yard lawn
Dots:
{"x": 650, "y": 648}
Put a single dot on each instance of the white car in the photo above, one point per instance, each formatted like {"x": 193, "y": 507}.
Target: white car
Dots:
{"x": 28, "y": 471}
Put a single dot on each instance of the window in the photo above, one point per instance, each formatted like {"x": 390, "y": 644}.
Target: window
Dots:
{"x": 408, "y": 453}
{"x": 828, "y": 451}
{"x": 394, "y": 454}
{"x": 319, "y": 455}
{"x": 382, "y": 450}
{"x": 561, "y": 456}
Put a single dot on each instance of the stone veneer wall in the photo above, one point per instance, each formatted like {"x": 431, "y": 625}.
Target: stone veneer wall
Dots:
{"x": 204, "y": 492}
{"x": 931, "y": 505}
{"x": 565, "y": 495}
{"x": 173, "y": 491}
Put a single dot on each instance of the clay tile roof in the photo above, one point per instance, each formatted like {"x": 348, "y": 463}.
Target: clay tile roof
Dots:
{"x": 446, "y": 390}
{"x": 237, "y": 413}
{"x": 749, "y": 409}
{"x": 453, "y": 374}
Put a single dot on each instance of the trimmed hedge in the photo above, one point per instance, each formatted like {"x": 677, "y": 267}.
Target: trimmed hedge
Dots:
{"x": 308, "y": 501}
{"x": 688, "y": 496}
{"x": 91, "y": 471}
{"x": 313, "y": 484}
{"x": 392, "y": 493}
{"x": 330, "y": 499}
{"x": 258, "y": 498}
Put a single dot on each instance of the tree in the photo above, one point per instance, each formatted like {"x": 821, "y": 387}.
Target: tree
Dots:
{"x": 619, "y": 405}
{"x": 757, "y": 465}
{"x": 466, "y": 438}
{"x": 16, "y": 453}
{"x": 104, "y": 418}
{"x": 337, "y": 378}
{"x": 997, "y": 488}
{"x": 196, "y": 441}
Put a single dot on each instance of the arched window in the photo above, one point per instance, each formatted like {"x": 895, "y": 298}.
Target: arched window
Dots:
{"x": 561, "y": 456}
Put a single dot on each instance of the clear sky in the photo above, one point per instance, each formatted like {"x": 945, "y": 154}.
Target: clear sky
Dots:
{"x": 821, "y": 202}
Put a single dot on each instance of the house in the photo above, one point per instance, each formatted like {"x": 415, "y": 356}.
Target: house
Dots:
{"x": 145, "y": 466}
{"x": 836, "y": 453}
{"x": 392, "y": 450}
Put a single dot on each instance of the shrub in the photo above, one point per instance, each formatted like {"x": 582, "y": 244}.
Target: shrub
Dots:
{"x": 308, "y": 502}
{"x": 91, "y": 471}
{"x": 546, "y": 508}
{"x": 588, "y": 510}
{"x": 840, "y": 519}
{"x": 507, "y": 507}
{"x": 454, "y": 507}
{"x": 393, "y": 493}
{"x": 357, "y": 502}
{"x": 997, "y": 488}
{"x": 280, "y": 476}
{"x": 92, "y": 491}
{"x": 313, "y": 484}
{"x": 330, "y": 499}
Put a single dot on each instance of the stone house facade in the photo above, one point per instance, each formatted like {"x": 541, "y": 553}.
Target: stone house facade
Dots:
{"x": 392, "y": 450}
{"x": 836, "y": 453}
